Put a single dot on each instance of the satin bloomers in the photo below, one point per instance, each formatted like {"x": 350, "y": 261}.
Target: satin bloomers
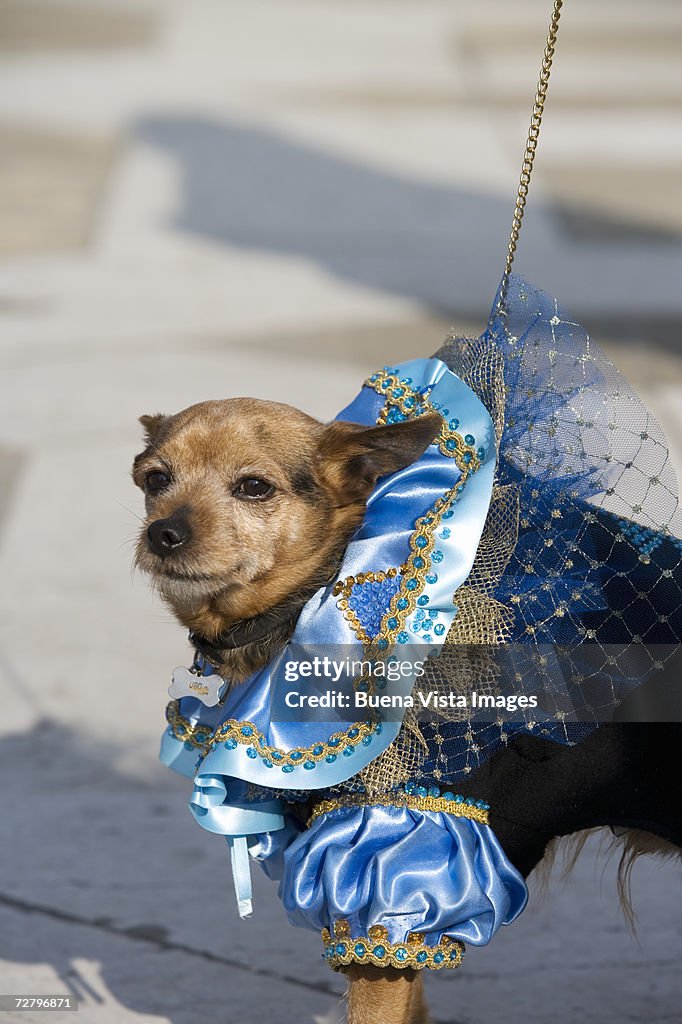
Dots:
{"x": 395, "y": 885}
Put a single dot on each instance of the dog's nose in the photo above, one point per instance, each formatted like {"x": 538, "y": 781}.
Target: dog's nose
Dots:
{"x": 167, "y": 535}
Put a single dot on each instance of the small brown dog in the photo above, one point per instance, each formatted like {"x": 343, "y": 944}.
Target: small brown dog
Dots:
{"x": 250, "y": 506}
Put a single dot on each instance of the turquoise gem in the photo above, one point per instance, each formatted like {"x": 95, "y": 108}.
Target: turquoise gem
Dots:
{"x": 432, "y": 578}
{"x": 287, "y": 768}
{"x": 296, "y": 755}
{"x": 447, "y": 795}
{"x": 454, "y": 424}
{"x": 353, "y": 732}
{"x": 421, "y": 542}
{"x": 413, "y": 584}
{"x": 382, "y": 644}
{"x": 277, "y": 755}
{"x": 421, "y": 791}
{"x": 421, "y": 957}
{"x": 438, "y": 957}
{"x": 309, "y": 765}
{"x": 437, "y": 556}
{"x": 409, "y": 787}
{"x": 402, "y": 603}
{"x": 427, "y": 638}
{"x": 470, "y": 801}
{"x": 359, "y": 949}
{"x": 334, "y": 741}
{"x": 445, "y": 533}
{"x": 341, "y": 948}
{"x": 188, "y": 745}
{"x": 250, "y": 752}
{"x": 470, "y": 439}
{"x": 201, "y": 736}
{"x": 330, "y": 758}
{"x": 459, "y": 799}
{"x": 268, "y": 764}
{"x": 392, "y": 623}
{"x": 419, "y": 614}
{"x": 378, "y": 728}
{"x": 230, "y": 744}
{"x": 467, "y": 457}
{"x": 247, "y": 730}
{"x": 379, "y": 952}
{"x": 481, "y": 453}
{"x": 418, "y": 562}
{"x": 440, "y": 629}
{"x": 398, "y": 392}
{"x": 449, "y": 514}
{"x": 318, "y": 748}
{"x": 451, "y": 445}
{"x": 400, "y": 953}
{"x": 422, "y": 600}
{"x": 434, "y": 791}
{"x": 403, "y": 637}
{"x": 348, "y": 751}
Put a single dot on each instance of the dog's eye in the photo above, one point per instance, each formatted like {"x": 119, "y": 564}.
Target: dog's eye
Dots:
{"x": 156, "y": 481}
{"x": 253, "y": 488}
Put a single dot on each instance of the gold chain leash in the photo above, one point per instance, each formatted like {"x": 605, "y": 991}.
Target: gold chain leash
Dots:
{"x": 531, "y": 145}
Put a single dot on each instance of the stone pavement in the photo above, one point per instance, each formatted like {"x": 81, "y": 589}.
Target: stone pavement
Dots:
{"x": 273, "y": 198}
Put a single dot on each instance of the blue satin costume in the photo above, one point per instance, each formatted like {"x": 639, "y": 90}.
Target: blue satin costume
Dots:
{"x": 407, "y": 876}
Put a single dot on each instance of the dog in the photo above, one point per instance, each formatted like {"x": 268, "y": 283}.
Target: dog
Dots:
{"x": 250, "y": 506}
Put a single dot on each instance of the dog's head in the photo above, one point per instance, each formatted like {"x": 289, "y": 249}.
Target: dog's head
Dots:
{"x": 249, "y": 501}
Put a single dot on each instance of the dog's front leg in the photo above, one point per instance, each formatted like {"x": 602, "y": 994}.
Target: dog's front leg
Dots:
{"x": 384, "y": 995}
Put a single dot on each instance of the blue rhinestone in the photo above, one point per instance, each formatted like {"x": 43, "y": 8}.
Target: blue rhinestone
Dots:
{"x": 467, "y": 457}
{"x": 359, "y": 949}
{"x": 250, "y": 752}
{"x": 453, "y": 424}
{"x": 392, "y": 623}
{"x": 434, "y": 791}
{"x": 440, "y": 629}
{"x": 309, "y": 765}
{"x": 334, "y": 741}
{"x": 459, "y": 799}
{"x": 409, "y": 787}
{"x": 435, "y": 405}
{"x": 318, "y": 748}
{"x": 419, "y": 614}
{"x": 268, "y": 764}
{"x": 438, "y": 957}
{"x": 413, "y": 584}
{"x": 437, "y": 556}
{"x": 398, "y": 392}
{"x": 421, "y": 957}
{"x": 422, "y": 600}
{"x": 470, "y": 439}
{"x": 445, "y": 533}
{"x": 481, "y": 453}
{"x": 445, "y": 412}
{"x": 276, "y": 755}
{"x": 418, "y": 562}
{"x": 431, "y": 577}
{"x": 400, "y": 953}
{"x": 382, "y": 644}
{"x": 470, "y": 801}
{"x": 188, "y": 745}
{"x": 230, "y": 744}
{"x": 402, "y": 603}
{"x": 454, "y": 954}
{"x": 246, "y": 730}
{"x": 201, "y": 736}
{"x": 451, "y": 445}
{"x": 347, "y": 751}
{"x": 421, "y": 542}
{"x": 449, "y": 514}
{"x": 330, "y": 758}
{"x": 447, "y": 795}
{"x": 287, "y": 768}
{"x": 353, "y": 732}
{"x": 378, "y": 728}
{"x": 403, "y": 638}
{"x": 427, "y": 638}
{"x": 296, "y": 755}
{"x": 341, "y": 948}
{"x": 379, "y": 952}
{"x": 405, "y": 380}
{"x": 420, "y": 791}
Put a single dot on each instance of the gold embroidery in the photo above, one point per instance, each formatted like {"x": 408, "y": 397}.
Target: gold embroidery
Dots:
{"x": 410, "y": 404}
{"x": 342, "y": 949}
{"x": 233, "y": 732}
{"x": 456, "y": 806}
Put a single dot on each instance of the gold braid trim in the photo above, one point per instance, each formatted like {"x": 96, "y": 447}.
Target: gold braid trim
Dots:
{"x": 342, "y": 949}
{"x": 455, "y": 805}
{"x": 233, "y": 732}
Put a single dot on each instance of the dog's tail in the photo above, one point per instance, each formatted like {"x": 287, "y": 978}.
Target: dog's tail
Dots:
{"x": 630, "y": 844}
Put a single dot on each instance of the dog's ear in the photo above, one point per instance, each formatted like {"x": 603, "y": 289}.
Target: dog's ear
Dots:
{"x": 353, "y": 457}
{"x": 152, "y": 425}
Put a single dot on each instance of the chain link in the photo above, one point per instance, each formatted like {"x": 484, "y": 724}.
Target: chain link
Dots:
{"x": 531, "y": 144}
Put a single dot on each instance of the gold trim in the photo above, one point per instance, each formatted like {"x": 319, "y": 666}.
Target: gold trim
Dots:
{"x": 374, "y": 948}
{"x": 246, "y": 734}
{"x": 458, "y": 808}
{"x": 412, "y": 404}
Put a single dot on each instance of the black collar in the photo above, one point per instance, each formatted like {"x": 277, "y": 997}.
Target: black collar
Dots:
{"x": 244, "y": 632}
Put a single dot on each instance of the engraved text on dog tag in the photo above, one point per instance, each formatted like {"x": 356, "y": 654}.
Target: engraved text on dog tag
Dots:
{"x": 207, "y": 689}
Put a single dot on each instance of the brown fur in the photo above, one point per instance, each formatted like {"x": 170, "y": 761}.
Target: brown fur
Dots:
{"x": 245, "y": 558}
{"x": 631, "y": 844}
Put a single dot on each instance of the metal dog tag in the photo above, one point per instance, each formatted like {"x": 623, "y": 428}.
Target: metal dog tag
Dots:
{"x": 188, "y": 683}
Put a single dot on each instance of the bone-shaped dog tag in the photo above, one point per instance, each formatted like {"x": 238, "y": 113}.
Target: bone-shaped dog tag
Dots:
{"x": 186, "y": 683}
